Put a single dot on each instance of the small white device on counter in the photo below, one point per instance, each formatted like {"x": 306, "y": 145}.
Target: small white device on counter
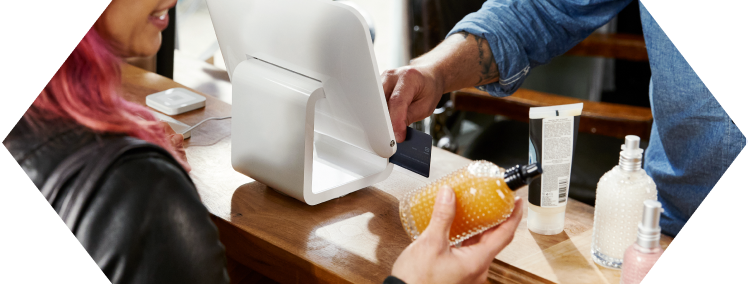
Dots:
{"x": 310, "y": 116}
{"x": 175, "y": 101}
{"x": 176, "y": 125}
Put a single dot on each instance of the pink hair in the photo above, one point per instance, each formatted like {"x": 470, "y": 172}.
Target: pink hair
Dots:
{"x": 86, "y": 90}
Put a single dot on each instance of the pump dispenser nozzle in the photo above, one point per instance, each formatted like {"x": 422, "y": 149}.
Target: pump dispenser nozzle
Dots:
{"x": 631, "y": 155}
{"x": 649, "y": 229}
{"x": 519, "y": 176}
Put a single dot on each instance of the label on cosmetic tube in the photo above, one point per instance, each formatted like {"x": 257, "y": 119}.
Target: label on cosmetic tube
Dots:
{"x": 558, "y": 142}
{"x": 553, "y": 133}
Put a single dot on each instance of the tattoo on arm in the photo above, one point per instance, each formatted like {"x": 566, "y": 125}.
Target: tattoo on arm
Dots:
{"x": 489, "y": 71}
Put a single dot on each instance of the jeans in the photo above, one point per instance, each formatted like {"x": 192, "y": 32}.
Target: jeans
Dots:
{"x": 693, "y": 140}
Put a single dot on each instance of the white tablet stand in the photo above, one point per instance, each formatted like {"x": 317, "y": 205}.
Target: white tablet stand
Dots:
{"x": 309, "y": 114}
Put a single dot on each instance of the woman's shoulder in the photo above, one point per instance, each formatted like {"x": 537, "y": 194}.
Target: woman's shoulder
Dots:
{"x": 149, "y": 214}
{"x": 40, "y": 147}
{"x": 143, "y": 222}
{"x": 150, "y": 187}
{"x": 146, "y": 173}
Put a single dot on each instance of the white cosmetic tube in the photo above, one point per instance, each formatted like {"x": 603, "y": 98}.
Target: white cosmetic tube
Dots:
{"x": 553, "y": 135}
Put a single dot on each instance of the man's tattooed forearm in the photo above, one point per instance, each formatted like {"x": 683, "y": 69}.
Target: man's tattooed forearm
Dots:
{"x": 488, "y": 70}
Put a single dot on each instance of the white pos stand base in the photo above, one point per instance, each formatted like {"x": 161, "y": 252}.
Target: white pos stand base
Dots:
{"x": 310, "y": 118}
{"x": 274, "y": 139}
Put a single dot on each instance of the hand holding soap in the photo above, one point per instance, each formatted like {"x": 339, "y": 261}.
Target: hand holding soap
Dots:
{"x": 484, "y": 197}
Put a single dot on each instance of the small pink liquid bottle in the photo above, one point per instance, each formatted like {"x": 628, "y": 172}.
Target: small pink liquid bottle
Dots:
{"x": 642, "y": 255}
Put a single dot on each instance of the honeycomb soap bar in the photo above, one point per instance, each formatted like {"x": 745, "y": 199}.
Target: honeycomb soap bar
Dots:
{"x": 483, "y": 200}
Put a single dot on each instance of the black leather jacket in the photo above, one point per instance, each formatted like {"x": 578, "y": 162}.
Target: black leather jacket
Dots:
{"x": 145, "y": 224}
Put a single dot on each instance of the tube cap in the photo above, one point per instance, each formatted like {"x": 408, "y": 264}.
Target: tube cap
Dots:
{"x": 519, "y": 176}
{"x": 546, "y": 221}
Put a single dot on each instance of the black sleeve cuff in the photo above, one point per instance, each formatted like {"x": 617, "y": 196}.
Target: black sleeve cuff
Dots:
{"x": 393, "y": 280}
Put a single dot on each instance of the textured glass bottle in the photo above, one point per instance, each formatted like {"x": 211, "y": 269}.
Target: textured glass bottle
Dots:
{"x": 642, "y": 255}
{"x": 484, "y": 197}
{"x": 618, "y": 205}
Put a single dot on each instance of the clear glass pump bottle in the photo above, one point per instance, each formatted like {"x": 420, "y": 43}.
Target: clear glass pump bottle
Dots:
{"x": 618, "y": 201}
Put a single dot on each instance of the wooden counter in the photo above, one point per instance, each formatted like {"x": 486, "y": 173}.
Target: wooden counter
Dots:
{"x": 355, "y": 238}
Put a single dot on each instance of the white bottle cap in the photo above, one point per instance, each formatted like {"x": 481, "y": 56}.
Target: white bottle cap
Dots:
{"x": 545, "y": 221}
{"x": 631, "y": 155}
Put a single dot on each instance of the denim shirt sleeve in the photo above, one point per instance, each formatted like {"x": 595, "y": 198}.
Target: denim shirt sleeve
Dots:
{"x": 527, "y": 33}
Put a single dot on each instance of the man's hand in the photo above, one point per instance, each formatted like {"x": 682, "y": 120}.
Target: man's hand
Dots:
{"x": 412, "y": 94}
{"x": 430, "y": 259}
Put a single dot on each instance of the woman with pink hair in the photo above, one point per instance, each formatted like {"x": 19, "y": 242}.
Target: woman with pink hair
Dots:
{"x": 137, "y": 214}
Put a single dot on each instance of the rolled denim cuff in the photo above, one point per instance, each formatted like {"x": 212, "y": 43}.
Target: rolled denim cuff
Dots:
{"x": 512, "y": 64}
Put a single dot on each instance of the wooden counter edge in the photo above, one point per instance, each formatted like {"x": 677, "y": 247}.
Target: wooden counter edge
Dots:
{"x": 283, "y": 266}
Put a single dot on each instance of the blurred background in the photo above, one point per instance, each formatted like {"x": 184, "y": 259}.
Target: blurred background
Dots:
{"x": 609, "y": 72}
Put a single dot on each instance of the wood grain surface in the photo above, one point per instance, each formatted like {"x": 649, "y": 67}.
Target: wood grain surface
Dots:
{"x": 240, "y": 274}
{"x": 355, "y": 238}
{"x": 607, "y": 119}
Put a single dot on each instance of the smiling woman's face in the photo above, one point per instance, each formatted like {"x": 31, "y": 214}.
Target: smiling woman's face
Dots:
{"x": 133, "y": 27}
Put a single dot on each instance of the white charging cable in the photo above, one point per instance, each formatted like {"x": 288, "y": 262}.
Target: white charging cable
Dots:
{"x": 201, "y": 122}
